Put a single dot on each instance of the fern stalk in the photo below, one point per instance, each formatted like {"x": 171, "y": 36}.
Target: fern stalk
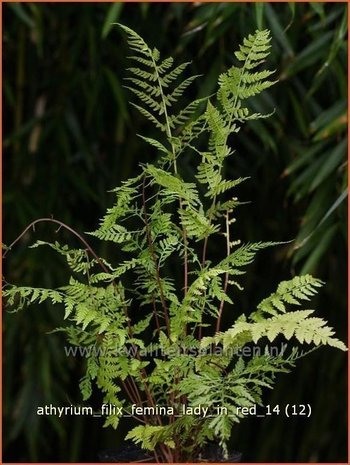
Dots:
{"x": 226, "y": 278}
{"x": 154, "y": 258}
{"x": 61, "y": 225}
{"x": 169, "y": 134}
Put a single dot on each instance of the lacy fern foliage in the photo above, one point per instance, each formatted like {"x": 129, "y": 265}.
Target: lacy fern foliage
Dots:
{"x": 154, "y": 318}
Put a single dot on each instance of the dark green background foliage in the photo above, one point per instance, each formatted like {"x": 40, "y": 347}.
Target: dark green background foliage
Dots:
{"x": 69, "y": 136}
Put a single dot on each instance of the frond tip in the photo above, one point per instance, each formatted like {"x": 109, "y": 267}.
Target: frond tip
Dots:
{"x": 288, "y": 292}
{"x": 157, "y": 84}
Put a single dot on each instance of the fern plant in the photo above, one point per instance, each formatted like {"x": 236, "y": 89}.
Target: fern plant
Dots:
{"x": 160, "y": 340}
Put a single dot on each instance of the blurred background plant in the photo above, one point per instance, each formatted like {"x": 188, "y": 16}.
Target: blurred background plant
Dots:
{"x": 69, "y": 137}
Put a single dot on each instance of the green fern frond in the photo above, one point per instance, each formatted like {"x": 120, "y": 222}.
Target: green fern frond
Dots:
{"x": 153, "y": 84}
{"x": 288, "y": 292}
{"x": 121, "y": 314}
{"x": 116, "y": 233}
{"x": 148, "y": 76}
{"x": 251, "y": 78}
{"x": 185, "y": 115}
{"x": 168, "y": 246}
{"x": 255, "y": 49}
{"x": 126, "y": 195}
{"x": 196, "y": 224}
{"x": 85, "y": 387}
{"x": 150, "y": 89}
{"x": 298, "y": 324}
{"x": 242, "y": 386}
{"x": 153, "y": 104}
{"x": 77, "y": 259}
{"x": 193, "y": 128}
{"x": 166, "y": 64}
{"x": 135, "y": 41}
{"x": 149, "y": 436}
{"x": 218, "y": 126}
{"x": 219, "y": 208}
{"x": 224, "y": 186}
{"x": 240, "y": 83}
{"x": 18, "y": 297}
{"x": 195, "y": 301}
{"x": 148, "y": 115}
{"x": 245, "y": 254}
{"x": 179, "y": 90}
{"x": 143, "y": 61}
{"x": 209, "y": 173}
{"x": 174, "y": 74}
{"x": 174, "y": 185}
{"x": 155, "y": 143}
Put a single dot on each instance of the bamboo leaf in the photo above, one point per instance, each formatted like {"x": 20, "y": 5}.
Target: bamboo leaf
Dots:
{"x": 112, "y": 17}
